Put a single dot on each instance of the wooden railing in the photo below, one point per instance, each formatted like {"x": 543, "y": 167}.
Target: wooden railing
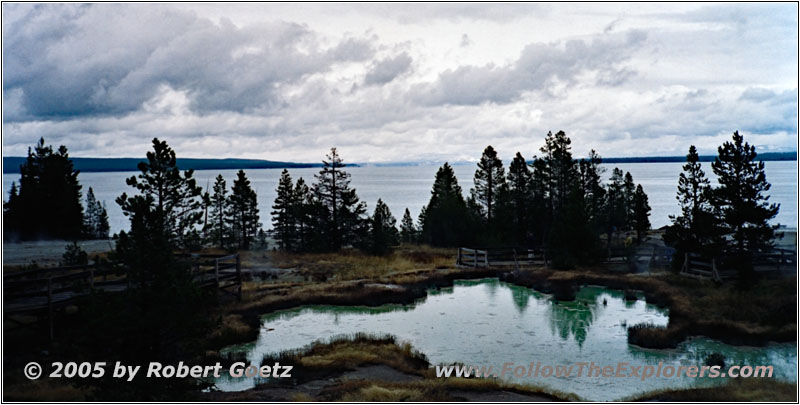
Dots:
{"x": 502, "y": 256}
{"x": 48, "y": 289}
{"x": 774, "y": 262}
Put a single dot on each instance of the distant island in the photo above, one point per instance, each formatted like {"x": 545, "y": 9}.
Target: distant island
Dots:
{"x": 11, "y": 164}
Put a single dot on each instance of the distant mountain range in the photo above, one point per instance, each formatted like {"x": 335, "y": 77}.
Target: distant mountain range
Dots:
{"x": 11, "y": 163}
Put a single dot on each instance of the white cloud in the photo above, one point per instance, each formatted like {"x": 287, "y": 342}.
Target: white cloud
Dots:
{"x": 390, "y": 83}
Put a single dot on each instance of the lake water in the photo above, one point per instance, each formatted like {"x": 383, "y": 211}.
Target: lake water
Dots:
{"x": 403, "y": 187}
{"x": 488, "y": 322}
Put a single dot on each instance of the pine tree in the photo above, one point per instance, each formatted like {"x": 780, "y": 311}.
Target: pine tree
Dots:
{"x": 520, "y": 198}
{"x": 218, "y": 227}
{"x": 307, "y": 213}
{"x": 616, "y": 207}
{"x": 243, "y": 211}
{"x": 175, "y": 197}
{"x": 744, "y": 208}
{"x": 641, "y": 213}
{"x": 594, "y": 193}
{"x": 48, "y": 203}
{"x": 344, "y": 217}
{"x": 383, "y": 230}
{"x": 490, "y": 182}
{"x": 284, "y": 212}
{"x": 444, "y": 219}
{"x": 96, "y": 218}
{"x": 560, "y": 169}
{"x": 408, "y": 232}
{"x": 629, "y": 191}
{"x": 695, "y": 230}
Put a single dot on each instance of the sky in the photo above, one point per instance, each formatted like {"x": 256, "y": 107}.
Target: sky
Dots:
{"x": 386, "y": 82}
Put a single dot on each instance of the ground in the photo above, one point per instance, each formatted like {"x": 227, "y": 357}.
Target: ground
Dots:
{"x": 764, "y": 312}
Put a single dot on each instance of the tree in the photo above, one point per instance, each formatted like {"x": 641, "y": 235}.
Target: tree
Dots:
{"x": 344, "y": 213}
{"x": 444, "y": 218}
{"x": 629, "y": 191}
{"x": 243, "y": 211}
{"x": 593, "y": 190}
{"x": 408, "y": 232}
{"x": 176, "y": 198}
{"x": 744, "y": 209}
{"x": 559, "y": 169}
{"x": 520, "y": 198}
{"x": 308, "y": 213}
{"x": 284, "y": 212}
{"x": 48, "y": 203}
{"x": 616, "y": 207}
{"x": 641, "y": 213}
{"x": 218, "y": 227}
{"x": 695, "y": 230}
{"x": 490, "y": 181}
{"x": 383, "y": 230}
{"x": 96, "y": 218}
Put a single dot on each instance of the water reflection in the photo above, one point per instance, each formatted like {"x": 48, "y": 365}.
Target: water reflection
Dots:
{"x": 487, "y": 322}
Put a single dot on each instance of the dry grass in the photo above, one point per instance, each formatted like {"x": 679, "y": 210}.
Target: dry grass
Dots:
{"x": 355, "y": 265}
{"x": 737, "y": 390}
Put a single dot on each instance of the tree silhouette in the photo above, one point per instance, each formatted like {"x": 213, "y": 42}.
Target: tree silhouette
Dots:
{"x": 745, "y": 210}
{"x": 47, "y": 204}
{"x": 408, "y": 232}
{"x": 243, "y": 211}
{"x": 490, "y": 181}
{"x": 344, "y": 216}
{"x": 284, "y": 212}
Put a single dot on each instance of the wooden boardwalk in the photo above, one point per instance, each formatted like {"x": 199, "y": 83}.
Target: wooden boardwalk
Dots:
{"x": 41, "y": 292}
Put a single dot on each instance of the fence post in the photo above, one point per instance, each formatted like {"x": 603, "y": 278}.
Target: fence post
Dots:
{"x": 50, "y": 305}
{"x": 475, "y": 258}
{"x": 486, "y": 258}
{"x": 458, "y": 258}
{"x": 239, "y": 276}
{"x": 216, "y": 270}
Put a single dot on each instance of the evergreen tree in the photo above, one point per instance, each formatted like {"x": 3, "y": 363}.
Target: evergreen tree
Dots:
{"x": 96, "y": 218}
{"x": 520, "y": 198}
{"x": 408, "y": 232}
{"x": 695, "y": 230}
{"x": 307, "y": 213}
{"x": 176, "y": 198}
{"x": 218, "y": 227}
{"x": 616, "y": 207}
{"x": 594, "y": 193}
{"x": 744, "y": 208}
{"x": 541, "y": 211}
{"x": 490, "y": 182}
{"x": 559, "y": 169}
{"x": 444, "y": 218}
{"x": 284, "y": 212}
{"x": 344, "y": 214}
{"x": 48, "y": 203}
{"x": 629, "y": 192}
{"x": 641, "y": 213}
{"x": 11, "y": 211}
{"x": 383, "y": 230}
{"x": 243, "y": 211}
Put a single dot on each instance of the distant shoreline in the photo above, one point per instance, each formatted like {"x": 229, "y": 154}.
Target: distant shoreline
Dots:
{"x": 88, "y": 165}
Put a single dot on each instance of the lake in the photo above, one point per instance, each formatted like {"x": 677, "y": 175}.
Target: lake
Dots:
{"x": 403, "y": 187}
{"x": 488, "y": 323}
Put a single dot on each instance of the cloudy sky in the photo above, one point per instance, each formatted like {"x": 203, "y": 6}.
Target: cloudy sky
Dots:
{"x": 397, "y": 82}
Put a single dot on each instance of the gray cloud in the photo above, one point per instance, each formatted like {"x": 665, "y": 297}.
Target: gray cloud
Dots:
{"x": 539, "y": 67}
{"x": 70, "y": 60}
{"x": 386, "y": 70}
{"x": 104, "y": 79}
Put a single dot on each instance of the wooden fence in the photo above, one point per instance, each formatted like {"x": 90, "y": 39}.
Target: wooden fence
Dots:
{"x": 504, "y": 256}
{"x": 776, "y": 262}
{"x": 43, "y": 291}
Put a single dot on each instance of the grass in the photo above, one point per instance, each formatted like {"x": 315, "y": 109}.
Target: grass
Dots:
{"x": 326, "y": 359}
{"x": 737, "y": 390}
{"x": 354, "y": 265}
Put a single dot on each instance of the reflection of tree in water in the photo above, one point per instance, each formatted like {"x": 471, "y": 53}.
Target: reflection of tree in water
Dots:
{"x": 572, "y": 318}
{"x": 521, "y": 296}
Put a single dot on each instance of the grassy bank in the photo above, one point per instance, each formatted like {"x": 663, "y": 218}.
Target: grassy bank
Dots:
{"x": 394, "y": 371}
{"x": 737, "y": 390}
